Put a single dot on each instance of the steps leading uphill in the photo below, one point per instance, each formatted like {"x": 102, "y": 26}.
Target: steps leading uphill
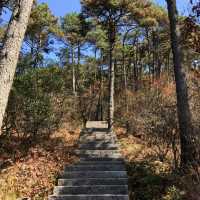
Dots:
{"x": 100, "y": 174}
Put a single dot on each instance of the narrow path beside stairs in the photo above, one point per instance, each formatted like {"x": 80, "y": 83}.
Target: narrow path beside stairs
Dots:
{"x": 100, "y": 174}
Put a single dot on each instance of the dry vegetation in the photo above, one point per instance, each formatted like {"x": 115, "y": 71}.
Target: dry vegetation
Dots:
{"x": 149, "y": 140}
{"x": 30, "y": 170}
{"x": 149, "y": 177}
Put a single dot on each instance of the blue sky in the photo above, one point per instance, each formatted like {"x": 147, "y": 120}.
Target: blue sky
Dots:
{"x": 61, "y": 7}
{"x": 182, "y": 5}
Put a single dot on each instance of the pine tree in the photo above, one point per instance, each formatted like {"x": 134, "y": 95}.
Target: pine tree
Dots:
{"x": 184, "y": 116}
{"x": 10, "y": 50}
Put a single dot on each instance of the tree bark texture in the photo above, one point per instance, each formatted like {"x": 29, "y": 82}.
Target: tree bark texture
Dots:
{"x": 184, "y": 115}
{"x": 10, "y": 51}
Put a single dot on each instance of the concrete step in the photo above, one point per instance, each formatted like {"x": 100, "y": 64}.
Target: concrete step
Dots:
{"x": 103, "y": 189}
{"x": 101, "y": 160}
{"x": 97, "y": 139}
{"x": 89, "y": 197}
{"x": 96, "y": 131}
{"x": 93, "y": 174}
{"x": 88, "y": 156}
{"x": 92, "y": 181}
{"x": 102, "y": 153}
{"x": 100, "y": 167}
{"x": 100, "y": 173}
{"x": 97, "y": 124}
{"x": 98, "y": 146}
{"x": 109, "y": 140}
{"x": 97, "y": 134}
{"x": 113, "y": 154}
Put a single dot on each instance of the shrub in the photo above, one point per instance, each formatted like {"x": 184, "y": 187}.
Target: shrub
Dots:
{"x": 37, "y": 102}
{"x": 173, "y": 193}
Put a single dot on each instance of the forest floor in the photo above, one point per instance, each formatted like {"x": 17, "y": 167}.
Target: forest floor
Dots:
{"x": 31, "y": 170}
{"x": 151, "y": 179}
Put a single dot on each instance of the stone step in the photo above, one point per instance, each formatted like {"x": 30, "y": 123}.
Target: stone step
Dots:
{"x": 97, "y": 134}
{"x": 102, "y": 153}
{"x": 97, "y": 139}
{"x": 93, "y": 174}
{"x": 101, "y": 189}
{"x": 88, "y": 156}
{"x": 101, "y": 160}
{"x": 100, "y": 174}
{"x": 100, "y": 167}
{"x": 97, "y": 124}
{"x": 93, "y": 181}
{"x": 89, "y": 197}
{"x": 95, "y": 129}
{"x": 98, "y": 146}
{"x": 109, "y": 140}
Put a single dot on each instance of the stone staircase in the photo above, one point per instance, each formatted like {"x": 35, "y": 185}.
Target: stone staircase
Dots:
{"x": 100, "y": 174}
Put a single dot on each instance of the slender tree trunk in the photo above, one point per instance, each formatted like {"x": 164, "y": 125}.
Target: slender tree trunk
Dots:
{"x": 158, "y": 57}
{"x": 135, "y": 70}
{"x": 154, "y": 55}
{"x": 73, "y": 74}
{"x": 159, "y": 66}
{"x": 10, "y": 51}
{"x": 111, "y": 92}
{"x": 184, "y": 115}
{"x": 95, "y": 53}
{"x": 111, "y": 76}
{"x": 79, "y": 54}
{"x": 102, "y": 92}
{"x": 149, "y": 54}
{"x": 168, "y": 65}
{"x": 77, "y": 71}
{"x": 125, "y": 74}
{"x": 124, "y": 68}
{"x": 135, "y": 78}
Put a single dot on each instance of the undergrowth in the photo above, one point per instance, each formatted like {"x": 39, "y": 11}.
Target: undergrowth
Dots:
{"x": 151, "y": 179}
{"x": 31, "y": 170}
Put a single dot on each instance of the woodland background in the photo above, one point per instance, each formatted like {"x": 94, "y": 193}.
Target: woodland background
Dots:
{"x": 51, "y": 99}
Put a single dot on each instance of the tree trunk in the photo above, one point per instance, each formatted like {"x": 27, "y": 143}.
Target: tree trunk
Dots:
{"x": 101, "y": 92}
{"x": 10, "y": 51}
{"x": 73, "y": 74}
{"x": 148, "y": 53}
{"x": 135, "y": 69}
{"x": 184, "y": 115}
{"x": 154, "y": 55}
{"x": 111, "y": 76}
{"x": 111, "y": 92}
{"x": 79, "y": 53}
{"x": 125, "y": 73}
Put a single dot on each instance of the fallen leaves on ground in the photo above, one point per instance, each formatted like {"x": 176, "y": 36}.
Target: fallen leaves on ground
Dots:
{"x": 33, "y": 174}
{"x": 149, "y": 177}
